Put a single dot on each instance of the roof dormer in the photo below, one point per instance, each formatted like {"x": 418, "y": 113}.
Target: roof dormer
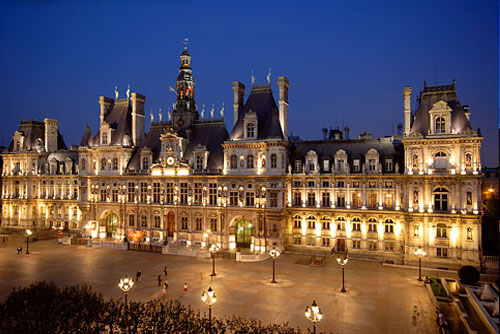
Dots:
{"x": 440, "y": 118}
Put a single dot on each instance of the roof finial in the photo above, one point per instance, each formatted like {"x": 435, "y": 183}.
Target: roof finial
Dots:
{"x": 186, "y": 42}
{"x": 252, "y": 77}
{"x": 268, "y": 77}
{"x": 128, "y": 91}
{"x": 116, "y": 93}
{"x": 222, "y": 111}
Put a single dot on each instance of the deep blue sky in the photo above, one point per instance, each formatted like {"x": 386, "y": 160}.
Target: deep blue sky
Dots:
{"x": 347, "y": 61}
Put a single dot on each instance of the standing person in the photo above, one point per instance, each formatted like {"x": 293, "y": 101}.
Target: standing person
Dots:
{"x": 165, "y": 286}
{"x": 165, "y": 270}
{"x": 19, "y": 250}
{"x": 159, "y": 280}
{"x": 140, "y": 276}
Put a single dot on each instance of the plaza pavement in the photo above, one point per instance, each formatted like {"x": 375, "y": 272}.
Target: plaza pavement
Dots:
{"x": 379, "y": 298}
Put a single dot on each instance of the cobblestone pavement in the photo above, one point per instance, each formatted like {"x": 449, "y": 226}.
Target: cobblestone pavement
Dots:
{"x": 379, "y": 299}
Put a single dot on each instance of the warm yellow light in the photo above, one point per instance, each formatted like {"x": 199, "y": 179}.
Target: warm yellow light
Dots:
{"x": 126, "y": 283}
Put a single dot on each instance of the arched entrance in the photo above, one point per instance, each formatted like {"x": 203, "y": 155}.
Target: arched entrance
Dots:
{"x": 243, "y": 232}
{"x": 111, "y": 225}
{"x": 170, "y": 224}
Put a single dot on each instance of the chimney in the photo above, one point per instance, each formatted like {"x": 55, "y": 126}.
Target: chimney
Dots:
{"x": 467, "y": 112}
{"x": 239, "y": 95}
{"x": 407, "y": 110}
{"x": 325, "y": 133}
{"x": 400, "y": 129}
{"x": 106, "y": 104}
{"x": 50, "y": 134}
{"x": 346, "y": 131}
{"x": 138, "y": 118}
{"x": 283, "y": 85}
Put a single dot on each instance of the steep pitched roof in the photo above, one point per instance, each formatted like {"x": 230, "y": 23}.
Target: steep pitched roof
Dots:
{"x": 211, "y": 135}
{"x": 119, "y": 118}
{"x": 260, "y": 101}
{"x": 32, "y": 131}
{"x": 428, "y": 97}
{"x": 87, "y": 136}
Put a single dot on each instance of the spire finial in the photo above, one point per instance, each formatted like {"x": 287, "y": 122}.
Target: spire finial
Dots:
{"x": 252, "y": 77}
{"x": 268, "y": 77}
{"x": 186, "y": 42}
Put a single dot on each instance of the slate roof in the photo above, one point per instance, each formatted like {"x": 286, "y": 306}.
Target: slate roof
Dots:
{"x": 32, "y": 130}
{"x": 209, "y": 134}
{"x": 87, "y": 135}
{"x": 354, "y": 148}
{"x": 260, "y": 101}
{"x": 428, "y": 97}
{"x": 119, "y": 118}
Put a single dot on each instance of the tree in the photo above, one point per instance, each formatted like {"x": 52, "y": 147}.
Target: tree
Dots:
{"x": 490, "y": 226}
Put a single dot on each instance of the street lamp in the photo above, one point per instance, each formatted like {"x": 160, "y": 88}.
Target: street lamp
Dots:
{"x": 28, "y": 233}
{"x": 126, "y": 283}
{"x": 313, "y": 314}
{"x": 213, "y": 249}
{"x": 274, "y": 253}
{"x": 343, "y": 262}
{"x": 209, "y": 298}
{"x": 420, "y": 253}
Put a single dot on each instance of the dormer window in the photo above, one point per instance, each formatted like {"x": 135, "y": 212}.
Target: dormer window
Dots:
{"x": 250, "y": 130}
{"x": 298, "y": 166}
{"x": 371, "y": 164}
{"x": 388, "y": 165}
{"x": 199, "y": 162}
{"x": 115, "y": 163}
{"x": 145, "y": 163}
{"x": 440, "y": 125}
{"x": 274, "y": 161}
{"x": 104, "y": 138}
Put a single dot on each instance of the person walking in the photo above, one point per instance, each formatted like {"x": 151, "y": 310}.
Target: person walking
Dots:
{"x": 165, "y": 286}
{"x": 165, "y": 271}
{"x": 19, "y": 250}
{"x": 138, "y": 276}
{"x": 159, "y": 280}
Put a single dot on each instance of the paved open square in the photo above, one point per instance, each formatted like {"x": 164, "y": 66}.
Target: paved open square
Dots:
{"x": 379, "y": 299}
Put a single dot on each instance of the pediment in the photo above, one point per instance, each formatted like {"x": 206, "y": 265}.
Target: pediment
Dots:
{"x": 440, "y": 106}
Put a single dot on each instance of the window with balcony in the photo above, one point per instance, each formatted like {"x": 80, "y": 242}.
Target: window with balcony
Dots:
{"x": 440, "y": 199}
{"x": 442, "y": 231}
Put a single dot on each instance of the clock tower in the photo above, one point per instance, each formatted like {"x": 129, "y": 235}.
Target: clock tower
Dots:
{"x": 185, "y": 112}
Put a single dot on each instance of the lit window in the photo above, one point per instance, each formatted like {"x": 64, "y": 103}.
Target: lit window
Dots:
{"x": 250, "y": 161}
{"x": 274, "y": 161}
{"x": 441, "y": 231}
{"x": 234, "y": 162}
{"x": 441, "y": 199}
{"x": 250, "y": 130}
{"x": 440, "y": 125}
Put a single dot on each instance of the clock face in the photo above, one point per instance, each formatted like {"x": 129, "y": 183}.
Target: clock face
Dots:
{"x": 170, "y": 161}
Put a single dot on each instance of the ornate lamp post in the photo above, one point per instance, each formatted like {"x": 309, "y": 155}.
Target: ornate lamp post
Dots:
{"x": 209, "y": 298}
{"x": 313, "y": 314}
{"x": 343, "y": 262}
{"x": 28, "y": 233}
{"x": 274, "y": 253}
{"x": 213, "y": 249}
{"x": 420, "y": 253}
{"x": 126, "y": 283}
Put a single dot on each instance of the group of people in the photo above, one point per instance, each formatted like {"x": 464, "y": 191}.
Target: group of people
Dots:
{"x": 138, "y": 278}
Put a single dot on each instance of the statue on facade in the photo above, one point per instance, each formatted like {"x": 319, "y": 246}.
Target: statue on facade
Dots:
{"x": 222, "y": 111}
{"x": 397, "y": 168}
{"x": 128, "y": 91}
{"x": 116, "y": 93}
{"x": 152, "y": 116}
{"x": 203, "y": 111}
{"x": 160, "y": 116}
{"x": 268, "y": 77}
{"x": 252, "y": 78}
{"x": 212, "y": 111}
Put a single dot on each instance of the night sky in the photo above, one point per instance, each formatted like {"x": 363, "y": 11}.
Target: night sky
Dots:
{"x": 347, "y": 61}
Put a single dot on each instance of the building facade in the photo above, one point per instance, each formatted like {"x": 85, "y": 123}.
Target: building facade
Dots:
{"x": 191, "y": 183}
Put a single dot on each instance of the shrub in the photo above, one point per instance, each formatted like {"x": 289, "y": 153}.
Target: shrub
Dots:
{"x": 468, "y": 275}
{"x": 44, "y": 308}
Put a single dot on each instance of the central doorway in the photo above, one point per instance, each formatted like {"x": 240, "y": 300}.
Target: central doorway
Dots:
{"x": 243, "y": 233}
{"x": 111, "y": 225}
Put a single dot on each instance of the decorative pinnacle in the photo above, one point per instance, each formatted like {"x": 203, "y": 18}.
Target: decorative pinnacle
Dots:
{"x": 186, "y": 42}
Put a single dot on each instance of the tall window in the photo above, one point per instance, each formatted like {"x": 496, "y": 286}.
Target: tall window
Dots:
{"x": 440, "y": 123}
{"x": 104, "y": 138}
{"x": 198, "y": 193}
{"x": 212, "y": 193}
{"x": 325, "y": 222}
{"x": 372, "y": 199}
{"x": 274, "y": 161}
{"x": 131, "y": 220}
{"x": 143, "y": 195}
{"x": 157, "y": 221}
{"x": 131, "y": 192}
{"x": 183, "y": 193}
{"x": 273, "y": 199}
{"x": 213, "y": 224}
{"x": 311, "y": 222}
{"x": 169, "y": 193}
{"x": 297, "y": 198}
{"x": 156, "y": 192}
{"x": 441, "y": 199}
{"x": 115, "y": 163}
{"x": 199, "y": 161}
{"x": 198, "y": 223}
{"x": 340, "y": 223}
{"x": 250, "y": 130}
{"x": 144, "y": 220}
{"x": 83, "y": 165}
{"x": 389, "y": 226}
{"x": 233, "y": 198}
{"x": 297, "y": 221}
{"x": 311, "y": 199}
{"x": 234, "y": 162}
{"x": 250, "y": 161}
{"x": 184, "y": 223}
{"x": 372, "y": 225}
{"x": 250, "y": 198}
{"x": 103, "y": 164}
{"x": 145, "y": 163}
{"x": 325, "y": 199}
{"x": 441, "y": 231}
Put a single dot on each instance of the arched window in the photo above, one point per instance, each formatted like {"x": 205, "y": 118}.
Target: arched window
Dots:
{"x": 103, "y": 164}
{"x": 325, "y": 221}
{"x": 145, "y": 163}
{"x": 356, "y": 224}
{"x": 115, "y": 163}
{"x": 250, "y": 161}
{"x": 372, "y": 225}
{"x": 440, "y": 124}
{"x": 157, "y": 221}
{"x": 250, "y": 130}
{"x": 83, "y": 164}
{"x": 340, "y": 223}
{"x": 440, "y": 160}
{"x": 441, "y": 231}
{"x": 440, "y": 154}
{"x": 311, "y": 222}
{"x": 440, "y": 199}
{"x": 389, "y": 226}
{"x": 297, "y": 221}
{"x": 274, "y": 161}
{"x": 234, "y": 162}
